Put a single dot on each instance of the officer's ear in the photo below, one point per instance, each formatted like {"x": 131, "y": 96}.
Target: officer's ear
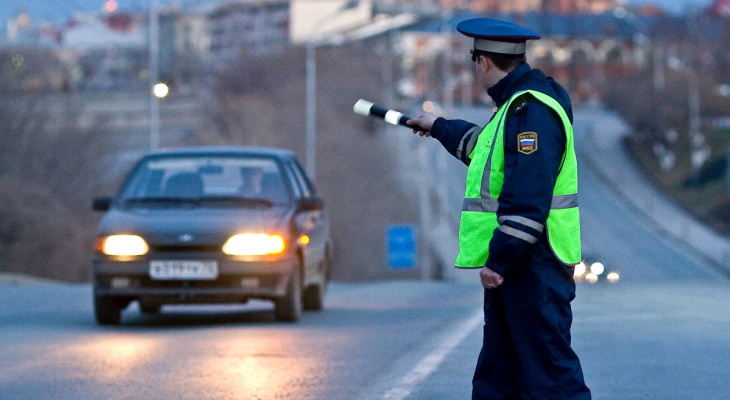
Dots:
{"x": 483, "y": 62}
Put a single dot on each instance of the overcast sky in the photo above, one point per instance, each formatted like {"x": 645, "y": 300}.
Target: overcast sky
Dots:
{"x": 61, "y": 10}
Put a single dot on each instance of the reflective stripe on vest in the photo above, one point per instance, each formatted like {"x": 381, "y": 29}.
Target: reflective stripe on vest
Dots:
{"x": 484, "y": 181}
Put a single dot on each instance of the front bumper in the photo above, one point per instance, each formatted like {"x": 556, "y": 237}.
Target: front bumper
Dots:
{"x": 238, "y": 279}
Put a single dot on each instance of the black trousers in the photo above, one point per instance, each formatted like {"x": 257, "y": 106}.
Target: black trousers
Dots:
{"x": 526, "y": 352}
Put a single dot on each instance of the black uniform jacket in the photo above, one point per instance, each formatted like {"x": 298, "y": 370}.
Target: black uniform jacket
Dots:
{"x": 529, "y": 179}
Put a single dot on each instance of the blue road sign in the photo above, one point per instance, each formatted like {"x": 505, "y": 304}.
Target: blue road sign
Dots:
{"x": 401, "y": 243}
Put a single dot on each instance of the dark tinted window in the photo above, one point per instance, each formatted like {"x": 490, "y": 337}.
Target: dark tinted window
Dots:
{"x": 208, "y": 177}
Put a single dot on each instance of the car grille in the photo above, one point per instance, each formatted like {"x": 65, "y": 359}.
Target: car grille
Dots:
{"x": 186, "y": 249}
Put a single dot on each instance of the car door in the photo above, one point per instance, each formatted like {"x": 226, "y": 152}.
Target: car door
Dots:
{"x": 311, "y": 223}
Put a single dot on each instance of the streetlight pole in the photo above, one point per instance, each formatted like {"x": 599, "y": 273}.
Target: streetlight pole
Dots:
{"x": 698, "y": 151}
{"x": 311, "y": 90}
{"x": 311, "y": 107}
{"x": 694, "y": 103}
{"x": 154, "y": 50}
{"x": 642, "y": 39}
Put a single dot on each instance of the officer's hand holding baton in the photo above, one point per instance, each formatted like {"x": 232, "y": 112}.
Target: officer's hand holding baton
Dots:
{"x": 424, "y": 123}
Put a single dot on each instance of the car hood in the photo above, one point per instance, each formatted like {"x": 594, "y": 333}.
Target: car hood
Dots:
{"x": 193, "y": 226}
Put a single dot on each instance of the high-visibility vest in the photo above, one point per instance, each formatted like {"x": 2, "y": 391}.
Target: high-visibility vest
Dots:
{"x": 484, "y": 181}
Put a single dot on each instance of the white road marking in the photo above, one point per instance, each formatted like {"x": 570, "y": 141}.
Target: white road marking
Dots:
{"x": 428, "y": 364}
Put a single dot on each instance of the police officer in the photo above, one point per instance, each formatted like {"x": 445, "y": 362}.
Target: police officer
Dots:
{"x": 519, "y": 221}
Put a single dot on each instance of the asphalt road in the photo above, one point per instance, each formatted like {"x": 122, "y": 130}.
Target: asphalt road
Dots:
{"x": 52, "y": 349}
{"x": 660, "y": 332}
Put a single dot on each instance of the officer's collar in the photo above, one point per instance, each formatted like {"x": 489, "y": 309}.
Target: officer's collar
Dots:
{"x": 503, "y": 89}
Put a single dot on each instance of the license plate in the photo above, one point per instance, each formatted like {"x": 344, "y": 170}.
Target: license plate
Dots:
{"x": 180, "y": 269}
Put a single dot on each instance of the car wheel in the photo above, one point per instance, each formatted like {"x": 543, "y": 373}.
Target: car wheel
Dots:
{"x": 314, "y": 294}
{"x": 149, "y": 307}
{"x": 313, "y": 298}
{"x": 108, "y": 311}
{"x": 289, "y": 307}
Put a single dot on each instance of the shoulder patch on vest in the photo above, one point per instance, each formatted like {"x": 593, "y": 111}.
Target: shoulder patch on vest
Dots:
{"x": 527, "y": 142}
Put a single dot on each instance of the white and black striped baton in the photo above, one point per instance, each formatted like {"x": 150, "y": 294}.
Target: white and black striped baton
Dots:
{"x": 368, "y": 109}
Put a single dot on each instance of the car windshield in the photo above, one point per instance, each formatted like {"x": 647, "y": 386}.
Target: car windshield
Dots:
{"x": 216, "y": 181}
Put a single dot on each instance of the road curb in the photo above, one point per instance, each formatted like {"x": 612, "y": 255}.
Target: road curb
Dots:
{"x": 13, "y": 278}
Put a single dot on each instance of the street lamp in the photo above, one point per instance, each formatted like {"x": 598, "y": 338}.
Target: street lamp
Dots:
{"x": 698, "y": 151}
{"x": 311, "y": 89}
{"x": 160, "y": 90}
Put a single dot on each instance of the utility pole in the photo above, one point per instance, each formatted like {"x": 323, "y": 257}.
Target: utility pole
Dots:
{"x": 313, "y": 41}
{"x": 154, "y": 50}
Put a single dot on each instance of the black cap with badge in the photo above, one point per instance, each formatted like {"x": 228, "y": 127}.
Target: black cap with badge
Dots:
{"x": 495, "y": 36}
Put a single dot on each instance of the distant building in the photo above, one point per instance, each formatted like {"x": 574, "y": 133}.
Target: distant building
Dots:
{"x": 548, "y": 6}
{"x": 21, "y": 32}
{"x": 247, "y": 28}
{"x": 581, "y": 51}
{"x": 91, "y": 33}
{"x": 424, "y": 7}
{"x": 184, "y": 46}
{"x": 111, "y": 53}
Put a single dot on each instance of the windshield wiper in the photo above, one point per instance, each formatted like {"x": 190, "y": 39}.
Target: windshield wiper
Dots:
{"x": 162, "y": 200}
{"x": 246, "y": 201}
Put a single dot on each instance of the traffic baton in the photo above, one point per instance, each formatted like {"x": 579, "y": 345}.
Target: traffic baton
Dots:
{"x": 368, "y": 109}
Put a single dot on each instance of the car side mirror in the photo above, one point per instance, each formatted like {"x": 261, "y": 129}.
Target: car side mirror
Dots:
{"x": 311, "y": 204}
{"x": 102, "y": 203}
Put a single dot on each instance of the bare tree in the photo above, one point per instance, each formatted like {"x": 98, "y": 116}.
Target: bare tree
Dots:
{"x": 48, "y": 172}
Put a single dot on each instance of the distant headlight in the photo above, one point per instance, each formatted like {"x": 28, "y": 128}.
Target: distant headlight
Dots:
{"x": 612, "y": 277}
{"x": 253, "y": 244}
{"x": 122, "y": 245}
{"x": 597, "y": 268}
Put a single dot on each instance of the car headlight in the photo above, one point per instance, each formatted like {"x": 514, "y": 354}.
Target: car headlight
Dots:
{"x": 253, "y": 244}
{"x": 122, "y": 245}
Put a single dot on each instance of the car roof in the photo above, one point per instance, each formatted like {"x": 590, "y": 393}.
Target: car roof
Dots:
{"x": 223, "y": 150}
